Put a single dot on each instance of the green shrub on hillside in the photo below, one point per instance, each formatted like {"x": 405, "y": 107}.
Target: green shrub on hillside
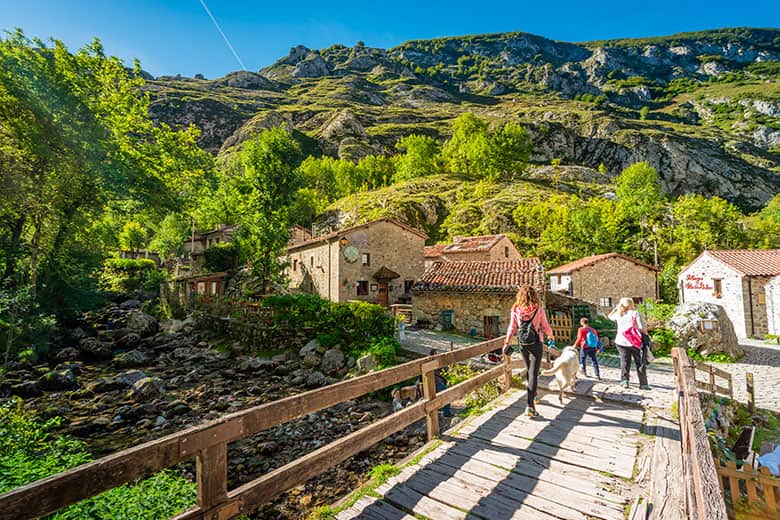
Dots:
{"x": 125, "y": 275}
{"x": 32, "y": 452}
{"x": 220, "y": 257}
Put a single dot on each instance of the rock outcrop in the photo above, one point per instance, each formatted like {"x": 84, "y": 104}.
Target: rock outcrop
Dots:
{"x": 705, "y": 328}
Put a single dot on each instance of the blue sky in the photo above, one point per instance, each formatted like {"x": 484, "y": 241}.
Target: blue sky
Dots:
{"x": 177, "y": 36}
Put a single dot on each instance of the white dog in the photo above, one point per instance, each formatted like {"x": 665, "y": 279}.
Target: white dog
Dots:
{"x": 565, "y": 370}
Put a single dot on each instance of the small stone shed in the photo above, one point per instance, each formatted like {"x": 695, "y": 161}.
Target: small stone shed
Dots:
{"x": 604, "y": 279}
{"x": 739, "y": 281}
{"x": 473, "y": 297}
{"x": 487, "y": 248}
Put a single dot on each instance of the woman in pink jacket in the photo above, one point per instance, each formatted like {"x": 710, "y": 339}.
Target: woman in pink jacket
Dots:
{"x": 528, "y": 320}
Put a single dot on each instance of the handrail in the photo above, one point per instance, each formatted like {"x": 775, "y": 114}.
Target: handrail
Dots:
{"x": 208, "y": 444}
{"x": 704, "y": 498}
{"x": 710, "y": 386}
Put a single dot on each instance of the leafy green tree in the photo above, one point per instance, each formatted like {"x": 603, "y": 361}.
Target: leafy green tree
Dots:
{"x": 420, "y": 157}
{"x": 511, "y": 149}
{"x": 133, "y": 236}
{"x": 259, "y": 187}
{"x": 643, "y": 112}
{"x": 376, "y": 171}
{"x": 306, "y": 205}
{"x": 763, "y": 227}
{"x": 468, "y": 151}
{"x": 171, "y": 234}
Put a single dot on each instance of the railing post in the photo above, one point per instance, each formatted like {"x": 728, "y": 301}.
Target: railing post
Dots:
{"x": 751, "y": 392}
{"x": 211, "y": 468}
{"x": 429, "y": 392}
{"x": 506, "y": 383}
{"x": 712, "y": 379}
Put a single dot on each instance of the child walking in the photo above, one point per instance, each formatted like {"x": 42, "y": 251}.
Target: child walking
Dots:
{"x": 588, "y": 341}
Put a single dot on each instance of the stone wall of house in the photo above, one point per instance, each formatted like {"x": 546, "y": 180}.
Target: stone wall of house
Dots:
{"x": 503, "y": 251}
{"x": 321, "y": 268}
{"x": 469, "y": 309}
{"x": 756, "y": 315}
{"x": 387, "y": 245}
{"x": 696, "y": 284}
{"x": 613, "y": 278}
{"x": 772, "y": 294}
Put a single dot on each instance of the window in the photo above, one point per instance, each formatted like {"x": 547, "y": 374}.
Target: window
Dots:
{"x": 201, "y": 287}
{"x": 506, "y": 251}
{"x": 605, "y": 302}
{"x": 311, "y": 261}
{"x": 762, "y": 298}
{"x": 213, "y": 288}
{"x": 362, "y": 287}
{"x": 638, "y": 299}
{"x": 366, "y": 259}
{"x": 408, "y": 284}
{"x": 717, "y": 288}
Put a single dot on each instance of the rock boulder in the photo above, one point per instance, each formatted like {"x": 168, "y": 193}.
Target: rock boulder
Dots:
{"x": 95, "y": 348}
{"x": 142, "y": 324}
{"x": 147, "y": 389}
{"x": 56, "y": 380}
{"x": 332, "y": 361}
{"x": 705, "y": 328}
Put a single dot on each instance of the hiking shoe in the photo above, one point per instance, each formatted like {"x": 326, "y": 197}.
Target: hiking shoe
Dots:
{"x": 624, "y": 383}
{"x": 530, "y": 412}
{"x": 645, "y": 387}
{"x": 598, "y": 377}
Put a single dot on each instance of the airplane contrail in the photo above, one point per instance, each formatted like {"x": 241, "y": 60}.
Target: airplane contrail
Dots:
{"x": 224, "y": 37}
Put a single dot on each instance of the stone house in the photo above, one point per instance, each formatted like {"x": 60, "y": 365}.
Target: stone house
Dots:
{"x": 772, "y": 290}
{"x": 141, "y": 253}
{"x": 377, "y": 262}
{"x": 487, "y": 248}
{"x": 740, "y": 281}
{"x": 604, "y": 279}
{"x": 473, "y": 297}
{"x": 198, "y": 244}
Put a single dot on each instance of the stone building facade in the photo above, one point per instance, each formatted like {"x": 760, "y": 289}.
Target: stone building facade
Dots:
{"x": 473, "y": 297}
{"x": 772, "y": 295}
{"x": 377, "y": 262}
{"x": 485, "y": 248}
{"x": 738, "y": 281}
{"x": 604, "y": 279}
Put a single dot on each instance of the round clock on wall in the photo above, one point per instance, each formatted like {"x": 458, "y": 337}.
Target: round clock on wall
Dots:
{"x": 351, "y": 254}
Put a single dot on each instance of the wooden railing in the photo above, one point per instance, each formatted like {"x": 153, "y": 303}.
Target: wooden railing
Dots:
{"x": 704, "y": 498}
{"x": 759, "y": 486}
{"x": 710, "y": 385}
{"x": 208, "y": 444}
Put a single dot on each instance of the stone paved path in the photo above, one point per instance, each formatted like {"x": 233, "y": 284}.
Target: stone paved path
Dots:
{"x": 761, "y": 359}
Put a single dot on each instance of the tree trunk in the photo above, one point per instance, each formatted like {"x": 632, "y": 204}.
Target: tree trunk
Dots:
{"x": 35, "y": 246}
{"x": 16, "y": 228}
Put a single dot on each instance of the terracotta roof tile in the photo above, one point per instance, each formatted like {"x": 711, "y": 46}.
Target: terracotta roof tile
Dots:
{"x": 481, "y": 276}
{"x": 434, "y": 251}
{"x": 750, "y": 262}
{"x": 472, "y": 244}
{"x": 590, "y": 260}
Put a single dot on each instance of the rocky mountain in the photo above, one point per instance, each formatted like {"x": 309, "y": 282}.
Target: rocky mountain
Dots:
{"x": 703, "y": 108}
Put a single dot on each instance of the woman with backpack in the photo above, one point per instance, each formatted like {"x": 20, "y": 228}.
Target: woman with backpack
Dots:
{"x": 630, "y": 342}
{"x": 528, "y": 320}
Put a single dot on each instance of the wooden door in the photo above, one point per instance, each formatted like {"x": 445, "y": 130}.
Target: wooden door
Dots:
{"x": 383, "y": 299}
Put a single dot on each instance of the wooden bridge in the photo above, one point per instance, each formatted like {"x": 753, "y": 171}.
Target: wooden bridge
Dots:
{"x": 581, "y": 460}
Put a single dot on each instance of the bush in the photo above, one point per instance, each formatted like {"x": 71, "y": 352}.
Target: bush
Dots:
{"x": 31, "y": 452}
{"x": 125, "y": 275}
{"x": 385, "y": 351}
{"x": 220, "y": 257}
{"x": 664, "y": 340}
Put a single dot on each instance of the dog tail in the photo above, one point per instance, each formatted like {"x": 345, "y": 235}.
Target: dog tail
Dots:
{"x": 551, "y": 371}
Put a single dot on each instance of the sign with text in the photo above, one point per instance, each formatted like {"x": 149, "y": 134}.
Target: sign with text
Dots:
{"x": 696, "y": 283}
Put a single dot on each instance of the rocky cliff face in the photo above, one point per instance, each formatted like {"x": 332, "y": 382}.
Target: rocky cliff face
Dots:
{"x": 710, "y": 120}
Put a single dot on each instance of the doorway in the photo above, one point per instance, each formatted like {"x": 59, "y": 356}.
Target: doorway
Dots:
{"x": 491, "y": 329}
{"x": 383, "y": 297}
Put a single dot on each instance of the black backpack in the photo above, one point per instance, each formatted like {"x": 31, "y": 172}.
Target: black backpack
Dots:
{"x": 526, "y": 332}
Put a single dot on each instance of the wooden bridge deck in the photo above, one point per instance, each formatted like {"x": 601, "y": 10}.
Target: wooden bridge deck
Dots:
{"x": 573, "y": 463}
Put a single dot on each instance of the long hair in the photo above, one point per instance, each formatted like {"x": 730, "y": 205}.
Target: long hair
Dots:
{"x": 527, "y": 296}
{"x": 625, "y": 305}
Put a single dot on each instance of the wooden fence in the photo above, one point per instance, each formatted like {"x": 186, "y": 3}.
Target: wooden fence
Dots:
{"x": 208, "y": 444}
{"x": 748, "y": 484}
{"x": 710, "y": 385}
{"x": 561, "y": 325}
{"x": 704, "y": 499}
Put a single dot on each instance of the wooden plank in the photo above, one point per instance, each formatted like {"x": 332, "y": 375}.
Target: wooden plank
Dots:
{"x": 770, "y": 484}
{"x": 667, "y": 496}
{"x": 369, "y": 508}
{"x": 429, "y": 392}
{"x": 541, "y": 468}
{"x": 410, "y": 500}
{"x": 469, "y": 469}
{"x": 50, "y": 494}
{"x": 270, "y": 485}
{"x": 622, "y": 468}
{"x": 211, "y": 471}
{"x": 711, "y": 369}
